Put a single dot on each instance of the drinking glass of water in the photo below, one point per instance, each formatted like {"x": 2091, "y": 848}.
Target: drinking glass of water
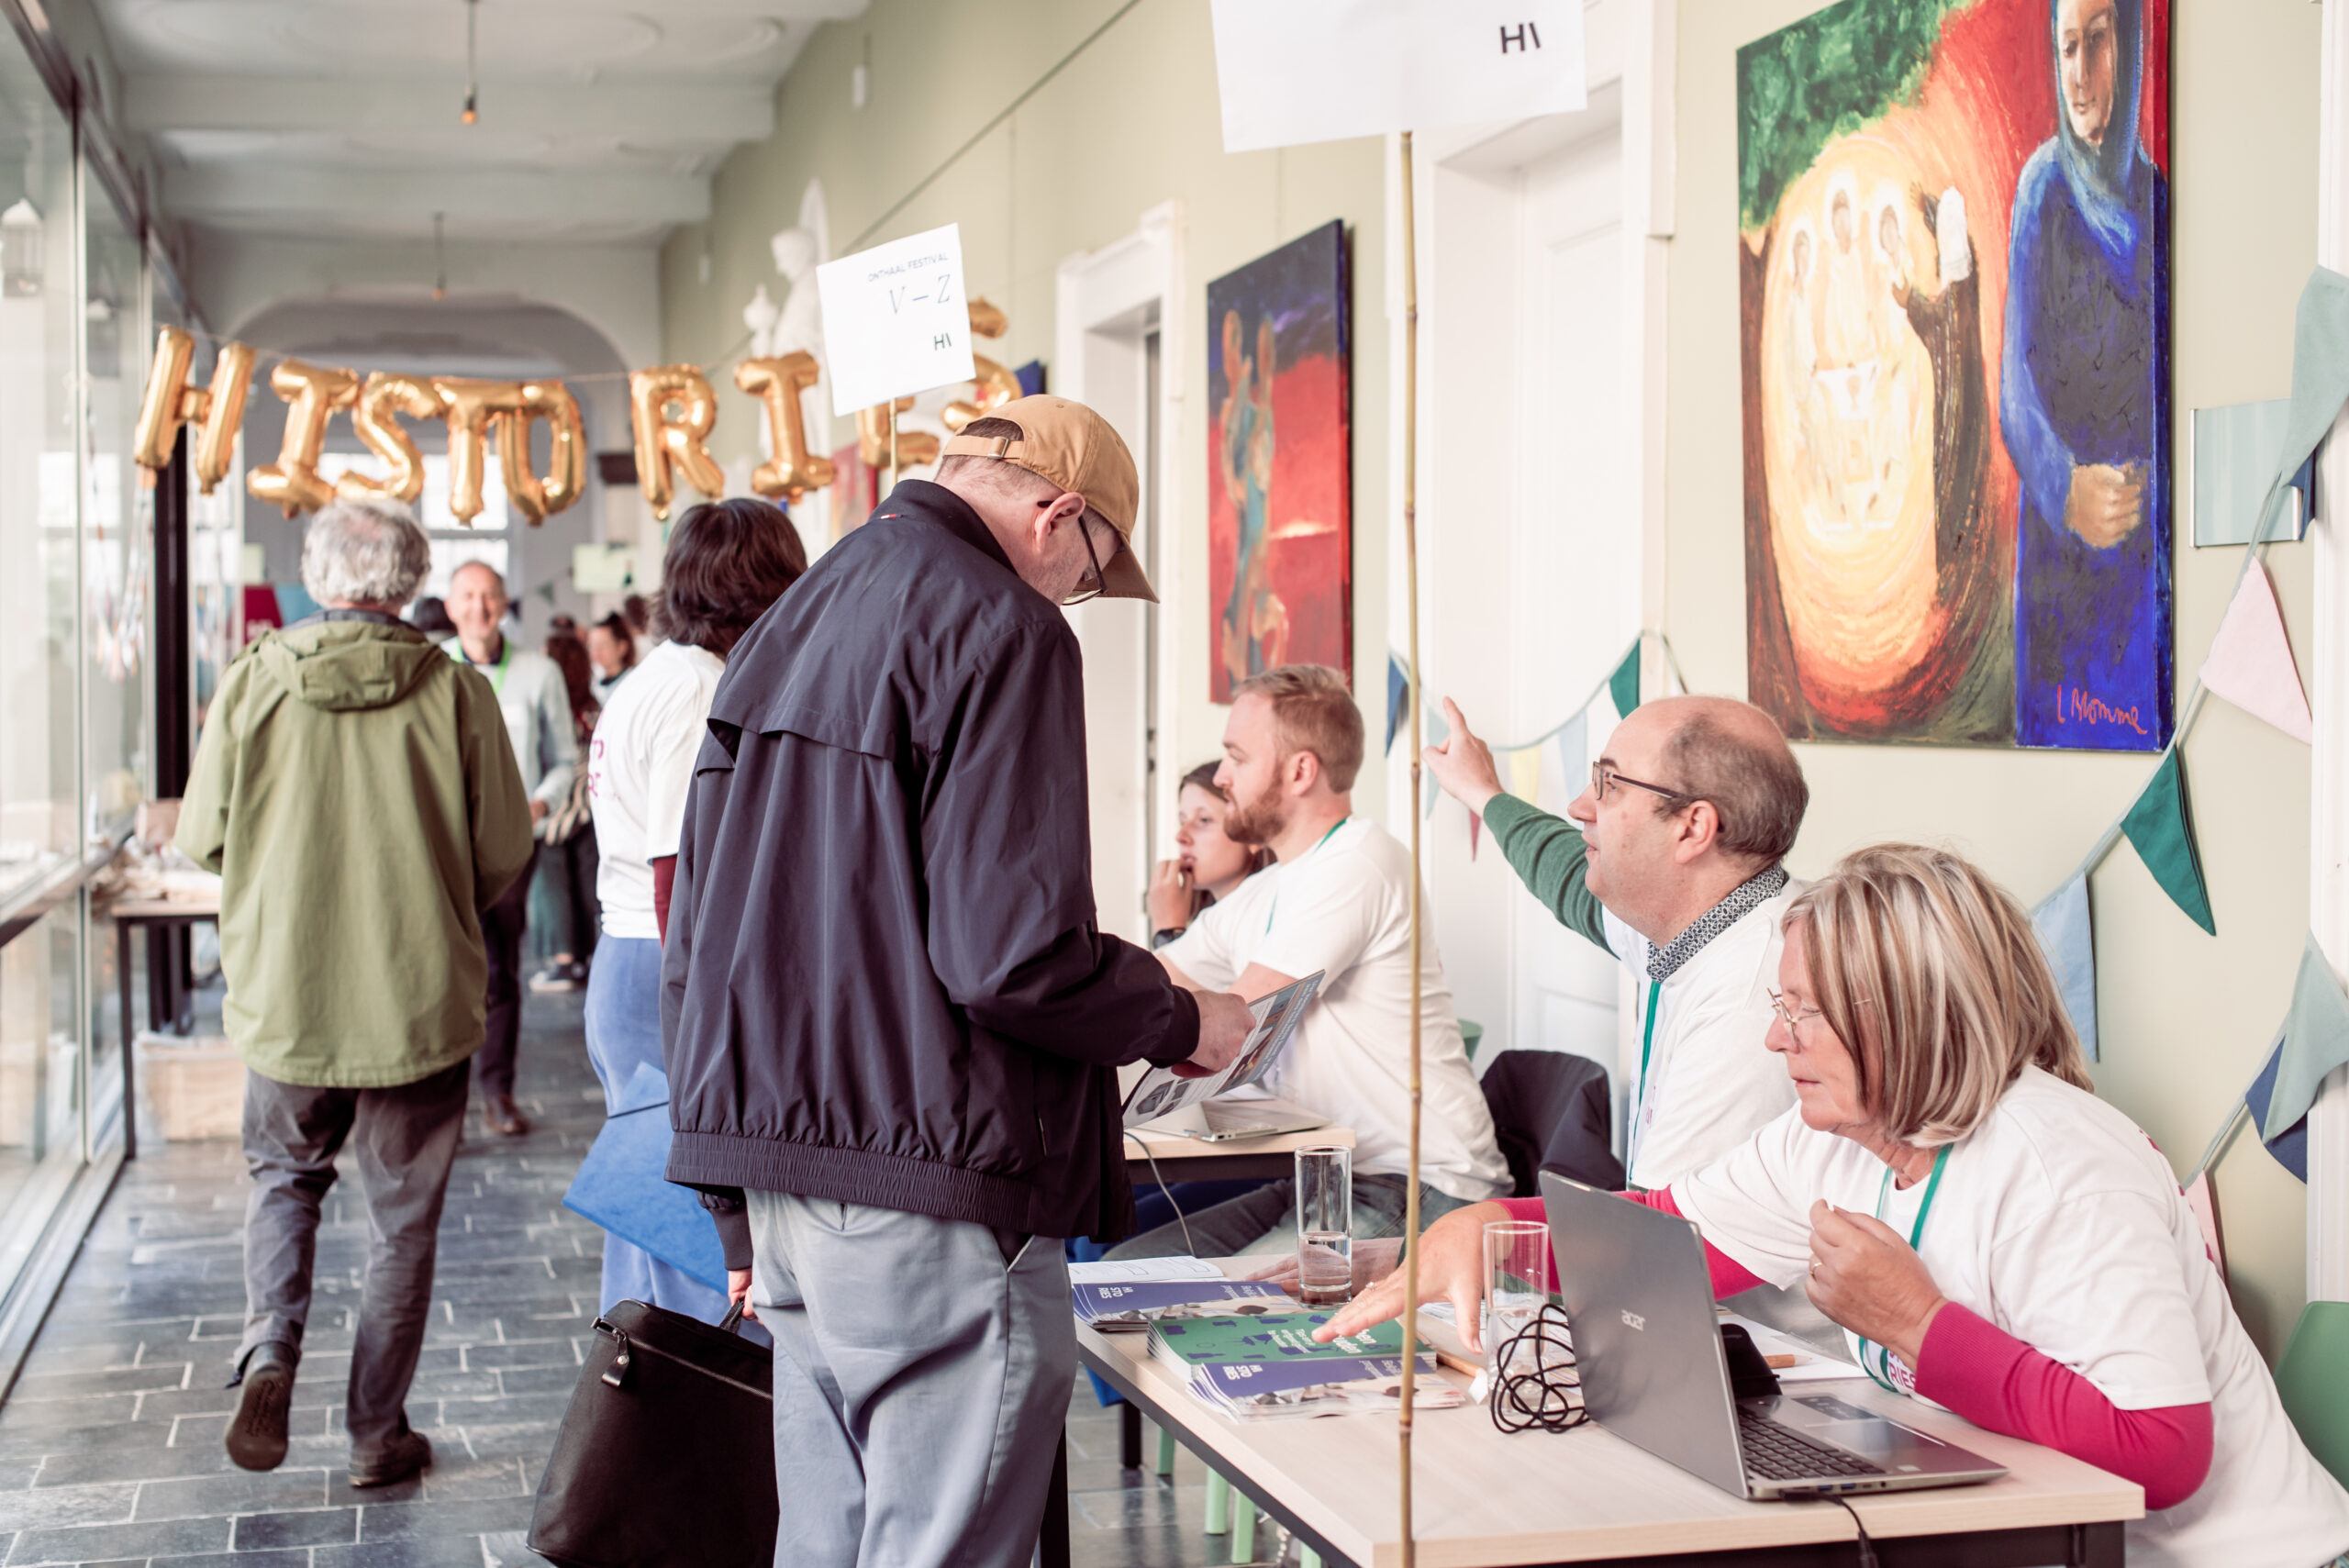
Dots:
{"x": 1325, "y": 1226}
{"x": 1517, "y": 1279}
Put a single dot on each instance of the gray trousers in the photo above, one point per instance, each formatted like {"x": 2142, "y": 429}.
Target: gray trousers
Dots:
{"x": 405, "y": 1140}
{"x": 922, "y": 1374}
{"x": 1266, "y": 1221}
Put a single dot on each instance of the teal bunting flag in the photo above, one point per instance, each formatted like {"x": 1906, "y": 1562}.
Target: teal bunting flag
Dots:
{"x": 2161, "y": 828}
{"x": 2067, "y": 933}
{"x": 1623, "y": 686}
{"x": 1434, "y": 730}
{"x": 2312, "y": 1040}
{"x": 1574, "y": 755}
{"x": 2320, "y": 378}
{"x": 1399, "y": 697}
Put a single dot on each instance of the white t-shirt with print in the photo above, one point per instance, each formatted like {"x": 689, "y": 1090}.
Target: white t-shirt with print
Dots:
{"x": 1345, "y": 906}
{"x": 1709, "y": 1082}
{"x": 640, "y": 765}
{"x": 2059, "y": 1223}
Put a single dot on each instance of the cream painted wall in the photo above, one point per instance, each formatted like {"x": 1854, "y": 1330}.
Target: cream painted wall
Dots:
{"x": 1128, "y": 122}
{"x": 2185, "y": 1018}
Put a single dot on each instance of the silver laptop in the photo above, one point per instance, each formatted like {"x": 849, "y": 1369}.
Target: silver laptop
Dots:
{"x": 1221, "y": 1121}
{"x": 1649, "y": 1347}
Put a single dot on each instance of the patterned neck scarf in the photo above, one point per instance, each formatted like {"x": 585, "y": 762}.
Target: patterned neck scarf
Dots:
{"x": 1663, "y": 962}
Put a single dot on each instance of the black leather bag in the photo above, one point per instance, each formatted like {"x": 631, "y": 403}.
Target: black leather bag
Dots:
{"x": 666, "y": 1455}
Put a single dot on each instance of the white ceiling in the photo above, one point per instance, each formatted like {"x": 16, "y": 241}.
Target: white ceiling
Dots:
{"x": 601, "y": 120}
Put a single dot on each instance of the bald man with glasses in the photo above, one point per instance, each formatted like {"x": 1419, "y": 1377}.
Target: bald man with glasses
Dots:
{"x": 1670, "y": 861}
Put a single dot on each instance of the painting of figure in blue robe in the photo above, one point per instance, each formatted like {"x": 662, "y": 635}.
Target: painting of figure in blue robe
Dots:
{"x": 2084, "y": 407}
{"x": 1953, "y": 292}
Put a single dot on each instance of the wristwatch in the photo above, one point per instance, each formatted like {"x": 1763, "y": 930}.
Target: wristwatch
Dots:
{"x": 1159, "y": 938}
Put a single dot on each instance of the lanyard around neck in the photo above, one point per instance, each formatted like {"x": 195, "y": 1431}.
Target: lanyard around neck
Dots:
{"x": 1881, "y": 1373}
{"x": 1275, "y": 907}
{"x": 504, "y": 658}
{"x": 1647, "y": 1045}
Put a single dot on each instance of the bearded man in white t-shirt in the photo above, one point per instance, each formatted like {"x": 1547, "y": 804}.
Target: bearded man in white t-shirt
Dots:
{"x": 1669, "y": 861}
{"x": 1338, "y": 900}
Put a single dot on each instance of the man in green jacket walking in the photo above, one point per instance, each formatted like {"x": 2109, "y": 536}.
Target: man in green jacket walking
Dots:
{"x": 357, "y": 793}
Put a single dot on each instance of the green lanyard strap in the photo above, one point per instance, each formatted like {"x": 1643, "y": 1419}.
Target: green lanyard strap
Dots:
{"x": 1647, "y": 1044}
{"x": 1275, "y": 907}
{"x": 1881, "y": 1373}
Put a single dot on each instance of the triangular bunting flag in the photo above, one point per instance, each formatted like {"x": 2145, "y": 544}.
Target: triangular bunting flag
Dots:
{"x": 1475, "y": 831}
{"x": 2161, "y": 828}
{"x": 2313, "y": 1040}
{"x": 2250, "y": 661}
{"x": 1399, "y": 693}
{"x": 1432, "y": 730}
{"x": 2320, "y": 378}
{"x": 1623, "y": 686}
{"x": 2290, "y": 1144}
{"x": 1525, "y": 774}
{"x": 1562, "y": 783}
{"x": 2205, "y": 1205}
{"x": 2068, "y": 935}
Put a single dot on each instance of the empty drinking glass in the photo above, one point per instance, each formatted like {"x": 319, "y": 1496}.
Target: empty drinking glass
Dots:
{"x": 1517, "y": 1279}
{"x": 1325, "y": 1226}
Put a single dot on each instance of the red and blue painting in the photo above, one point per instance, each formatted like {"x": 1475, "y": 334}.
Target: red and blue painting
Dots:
{"x": 1280, "y": 457}
{"x": 1953, "y": 254}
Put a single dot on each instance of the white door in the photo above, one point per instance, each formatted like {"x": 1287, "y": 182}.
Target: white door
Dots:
{"x": 1574, "y": 579}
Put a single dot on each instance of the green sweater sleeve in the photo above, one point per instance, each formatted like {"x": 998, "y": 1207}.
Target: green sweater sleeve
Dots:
{"x": 1547, "y": 853}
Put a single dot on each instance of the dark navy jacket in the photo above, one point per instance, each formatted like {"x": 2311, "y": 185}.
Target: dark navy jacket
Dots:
{"x": 882, "y": 982}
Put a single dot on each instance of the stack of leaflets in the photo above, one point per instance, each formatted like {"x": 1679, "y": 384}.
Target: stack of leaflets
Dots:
{"x": 1256, "y": 1367}
{"x": 1132, "y": 1305}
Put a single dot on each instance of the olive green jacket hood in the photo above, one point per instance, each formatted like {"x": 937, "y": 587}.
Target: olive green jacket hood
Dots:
{"x": 356, "y": 791}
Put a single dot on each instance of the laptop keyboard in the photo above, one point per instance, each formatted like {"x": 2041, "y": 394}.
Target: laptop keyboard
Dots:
{"x": 1775, "y": 1454}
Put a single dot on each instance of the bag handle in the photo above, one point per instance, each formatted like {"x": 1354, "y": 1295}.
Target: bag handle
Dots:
{"x": 732, "y": 1322}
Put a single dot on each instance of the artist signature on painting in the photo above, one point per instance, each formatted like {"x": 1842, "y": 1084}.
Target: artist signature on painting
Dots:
{"x": 2073, "y": 703}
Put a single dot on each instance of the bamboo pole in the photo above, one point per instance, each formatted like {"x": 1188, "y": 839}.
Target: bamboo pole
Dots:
{"x": 1411, "y": 809}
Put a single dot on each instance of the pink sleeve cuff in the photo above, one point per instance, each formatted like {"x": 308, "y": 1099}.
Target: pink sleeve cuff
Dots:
{"x": 1996, "y": 1381}
{"x": 1729, "y": 1277}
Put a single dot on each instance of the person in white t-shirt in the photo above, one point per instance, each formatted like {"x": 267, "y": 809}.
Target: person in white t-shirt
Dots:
{"x": 1338, "y": 901}
{"x": 1990, "y": 1236}
{"x": 727, "y": 562}
{"x": 1669, "y": 861}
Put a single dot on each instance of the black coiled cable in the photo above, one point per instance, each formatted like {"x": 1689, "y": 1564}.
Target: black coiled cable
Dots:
{"x": 1541, "y": 1388}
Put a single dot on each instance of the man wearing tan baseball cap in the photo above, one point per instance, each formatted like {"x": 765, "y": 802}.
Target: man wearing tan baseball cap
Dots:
{"x": 1074, "y": 450}
{"x": 893, "y": 1024}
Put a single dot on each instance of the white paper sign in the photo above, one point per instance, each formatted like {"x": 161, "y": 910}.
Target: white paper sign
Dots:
{"x": 897, "y": 319}
{"x": 1298, "y": 70}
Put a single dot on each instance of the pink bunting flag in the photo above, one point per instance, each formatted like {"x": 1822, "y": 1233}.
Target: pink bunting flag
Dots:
{"x": 1475, "y": 831}
{"x": 2250, "y": 662}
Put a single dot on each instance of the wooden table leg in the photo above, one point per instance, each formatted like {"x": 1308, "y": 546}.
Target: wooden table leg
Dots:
{"x": 1052, "y": 1541}
{"x": 129, "y": 1039}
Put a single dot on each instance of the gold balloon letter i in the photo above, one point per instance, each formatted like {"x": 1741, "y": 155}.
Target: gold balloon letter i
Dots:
{"x": 777, "y": 384}
{"x": 313, "y": 392}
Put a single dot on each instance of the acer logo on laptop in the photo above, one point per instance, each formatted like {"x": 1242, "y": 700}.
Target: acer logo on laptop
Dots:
{"x": 1633, "y": 1320}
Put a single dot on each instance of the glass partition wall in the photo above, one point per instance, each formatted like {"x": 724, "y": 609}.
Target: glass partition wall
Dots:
{"x": 77, "y": 591}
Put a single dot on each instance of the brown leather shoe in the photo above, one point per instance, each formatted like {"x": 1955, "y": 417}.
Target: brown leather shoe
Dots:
{"x": 502, "y": 1117}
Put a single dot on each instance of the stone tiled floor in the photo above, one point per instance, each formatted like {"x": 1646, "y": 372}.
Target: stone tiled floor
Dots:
{"x": 110, "y": 1445}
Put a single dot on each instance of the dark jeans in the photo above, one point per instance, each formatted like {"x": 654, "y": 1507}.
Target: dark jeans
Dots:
{"x": 570, "y": 871}
{"x": 503, "y": 925}
{"x": 404, "y": 1140}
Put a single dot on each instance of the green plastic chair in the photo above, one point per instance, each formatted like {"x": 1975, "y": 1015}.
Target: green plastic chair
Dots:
{"x": 2313, "y": 1379}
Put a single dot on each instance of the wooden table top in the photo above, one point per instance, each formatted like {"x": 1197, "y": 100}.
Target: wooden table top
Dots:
{"x": 1485, "y": 1500}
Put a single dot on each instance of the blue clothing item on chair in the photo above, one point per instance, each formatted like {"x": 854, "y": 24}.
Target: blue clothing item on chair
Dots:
{"x": 660, "y": 1245}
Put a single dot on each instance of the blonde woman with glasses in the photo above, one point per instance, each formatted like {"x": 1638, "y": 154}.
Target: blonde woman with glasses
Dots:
{"x": 1990, "y": 1236}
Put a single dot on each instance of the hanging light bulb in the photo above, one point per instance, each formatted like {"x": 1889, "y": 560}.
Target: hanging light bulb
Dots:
{"x": 440, "y": 261}
{"x": 473, "y": 112}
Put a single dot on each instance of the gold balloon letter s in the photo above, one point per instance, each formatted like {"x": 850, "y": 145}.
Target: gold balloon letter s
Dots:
{"x": 170, "y": 402}
{"x": 777, "y": 384}
{"x": 314, "y": 391}
{"x": 535, "y": 497}
{"x": 661, "y": 441}
{"x": 379, "y": 399}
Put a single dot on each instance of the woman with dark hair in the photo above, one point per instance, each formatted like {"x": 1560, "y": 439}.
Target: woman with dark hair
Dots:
{"x": 728, "y": 561}
{"x": 1211, "y": 863}
{"x": 567, "y": 838}
{"x": 611, "y": 648}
